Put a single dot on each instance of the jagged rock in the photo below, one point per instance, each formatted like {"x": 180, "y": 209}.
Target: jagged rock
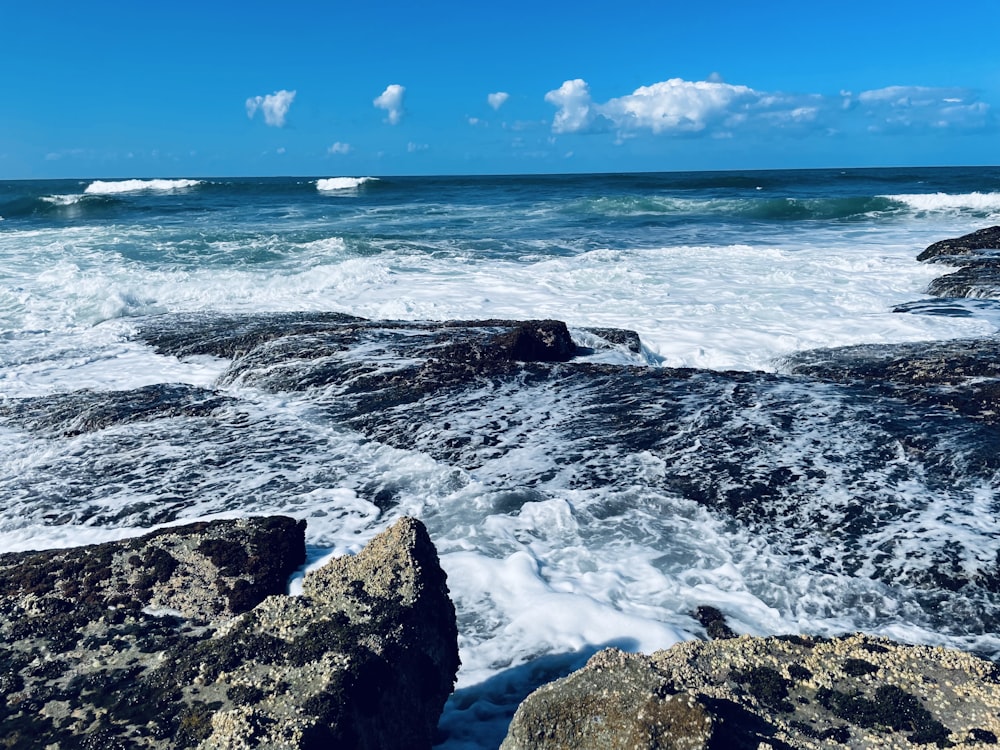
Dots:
{"x": 184, "y": 638}
{"x": 785, "y": 692}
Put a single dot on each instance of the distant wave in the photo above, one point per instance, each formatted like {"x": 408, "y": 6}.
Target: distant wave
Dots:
{"x": 976, "y": 202}
{"x": 758, "y": 207}
{"x": 342, "y": 183}
{"x": 102, "y": 187}
{"x": 63, "y": 200}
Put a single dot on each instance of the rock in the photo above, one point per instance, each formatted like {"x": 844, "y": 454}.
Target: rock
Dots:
{"x": 979, "y": 279}
{"x": 961, "y": 376}
{"x": 954, "y": 251}
{"x": 479, "y": 395}
{"x": 978, "y": 254}
{"x": 714, "y": 622}
{"x": 783, "y": 692}
{"x": 79, "y": 412}
{"x": 184, "y": 638}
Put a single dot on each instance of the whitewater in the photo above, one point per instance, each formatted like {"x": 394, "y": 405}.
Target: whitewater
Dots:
{"x": 727, "y": 273}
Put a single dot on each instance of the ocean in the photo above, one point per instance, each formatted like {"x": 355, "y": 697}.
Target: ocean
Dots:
{"x": 590, "y": 503}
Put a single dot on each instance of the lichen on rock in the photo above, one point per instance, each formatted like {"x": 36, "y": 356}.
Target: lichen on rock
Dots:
{"x": 745, "y": 692}
{"x": 186, "y": 638}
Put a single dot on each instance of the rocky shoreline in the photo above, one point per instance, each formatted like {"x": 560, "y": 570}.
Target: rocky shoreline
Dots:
{"x": 186, "y": 637}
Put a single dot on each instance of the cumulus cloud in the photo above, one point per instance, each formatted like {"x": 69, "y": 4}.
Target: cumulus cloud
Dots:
{"x": 672, "y": 106}
{"x": 497, "y": 99}
{"x": 391, "y": 100}
{"x": 678, "y": 106}
{"x": 339, "y": 148}
{"x": 412, "y": 147}
{"x": 274, "y": 106}
{"x": 575, "y": 109}
{"x": 718, "y": 109}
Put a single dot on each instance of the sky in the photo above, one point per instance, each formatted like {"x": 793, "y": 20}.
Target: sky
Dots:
{"x": 196, "y": 89}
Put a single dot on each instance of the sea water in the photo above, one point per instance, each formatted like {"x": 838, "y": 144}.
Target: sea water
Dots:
{"x": 717, "y": 271}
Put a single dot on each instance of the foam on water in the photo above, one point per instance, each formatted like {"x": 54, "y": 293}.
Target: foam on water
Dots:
{"x": 106, "y": 187}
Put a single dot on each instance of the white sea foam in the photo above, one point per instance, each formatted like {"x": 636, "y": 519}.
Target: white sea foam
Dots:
{"x": 104, "y": 187}
{"x": 335, "y": 184}
{"x": 988, "y": 203}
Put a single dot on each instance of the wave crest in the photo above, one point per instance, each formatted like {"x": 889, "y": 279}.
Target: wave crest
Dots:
{"x": 342, "y": 183}
{"x": 105, "y": 187}
{"x": 986, "y": 202}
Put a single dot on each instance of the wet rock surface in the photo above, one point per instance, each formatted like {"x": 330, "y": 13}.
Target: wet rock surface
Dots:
{"x": 184, "y": 638}
{"x": 977, "y": 254}
{"x": 790, "y": 692}
{"x": 86, "y": 411}
{"x": 826, "y": 462}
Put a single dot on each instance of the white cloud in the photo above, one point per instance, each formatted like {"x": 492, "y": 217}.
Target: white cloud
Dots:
{"x": 474, "y": 120}
{"x": 274, "y": 106}
{"x": 497, "y": 99}
{"x": 718, "y": 109}
{"x": 281, "y": 149}
{"x": 677, "y": 106}
{"x": 391, "y": 100}
{"x": 339, "y": 148}
{"x": 412, "y": 147}
{"x": 575, "y": 112}
{"x": 895, "y": 108}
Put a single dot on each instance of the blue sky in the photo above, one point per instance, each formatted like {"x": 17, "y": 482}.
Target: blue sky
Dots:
{"x": 99, "y": 89}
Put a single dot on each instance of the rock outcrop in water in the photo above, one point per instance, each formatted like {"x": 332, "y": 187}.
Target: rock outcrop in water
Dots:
{"x": 780, "y": 693}
{"x": 183, "y": 638}
{"x": 977, "y": 254}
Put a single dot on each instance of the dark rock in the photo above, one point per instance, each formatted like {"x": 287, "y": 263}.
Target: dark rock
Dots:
{"x": 228, "y": 336}
{"x": 979, "y": 279}
{"x": 961, "y": 376}
{"x": 956, "y": 249}
{"x": 79, "y": 412}
{"x": 714, "y": 622}
{"x": 475, "y": 394}
{"x": 766, "y": 692}
{"x": 978, "y": 254}
{"x": 142, "y": 643}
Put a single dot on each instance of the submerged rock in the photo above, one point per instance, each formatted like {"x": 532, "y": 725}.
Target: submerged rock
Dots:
{"x": 184, "y": 638}
{"x": 782, "y": 693}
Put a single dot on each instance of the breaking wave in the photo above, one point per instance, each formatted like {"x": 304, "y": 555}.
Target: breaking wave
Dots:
{"x": 103, "y": 187}
{"x": 330, "y": 184}
{"x": 978, "y": 203}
